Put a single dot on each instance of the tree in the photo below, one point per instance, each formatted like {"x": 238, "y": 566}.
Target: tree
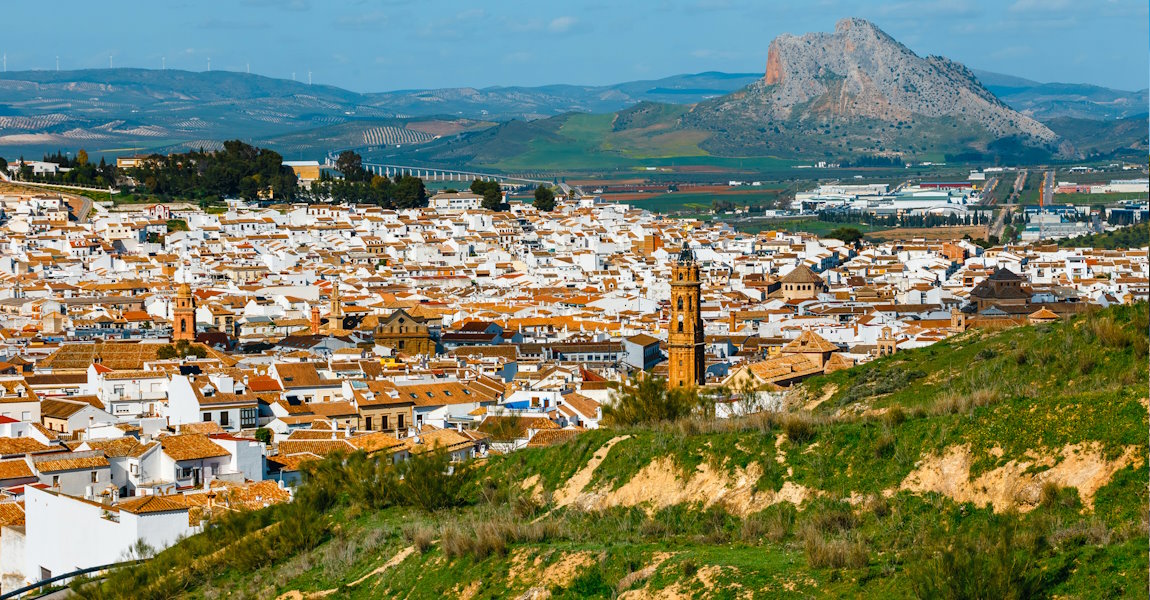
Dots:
{"x": 492, "y": 194}
{"x": 82, "y": 157}
{"x": 544, "y": 199}
{"x": 645, "y": 399}
{"x": 849, "y": 235}
{"x": 263, "y": 434}
{"x": 351, "y": 165}
{"x": 409, "y": 192}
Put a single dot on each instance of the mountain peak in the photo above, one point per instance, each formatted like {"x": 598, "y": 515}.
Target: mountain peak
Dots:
{"x": 861, "y": 72}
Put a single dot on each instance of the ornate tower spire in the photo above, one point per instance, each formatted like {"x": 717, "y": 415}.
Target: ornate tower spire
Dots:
{"x": 686, "y": 367}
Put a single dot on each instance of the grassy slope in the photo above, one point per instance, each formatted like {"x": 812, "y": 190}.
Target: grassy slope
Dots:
{"x": 1029, "y": 389}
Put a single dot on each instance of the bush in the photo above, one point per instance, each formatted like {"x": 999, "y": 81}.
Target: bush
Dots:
{"x": 429, "y": 482}
{"x": 773, "y": 524}
{"x": 419, "y": 536}
{"x": 799, "y": 427}
{"x": 646, "y": 400}
{"x": 825, "y": 553}
{"x": 989, "y": 561}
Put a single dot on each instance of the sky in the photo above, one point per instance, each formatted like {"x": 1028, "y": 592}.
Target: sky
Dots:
{"x": 381, "y": 45}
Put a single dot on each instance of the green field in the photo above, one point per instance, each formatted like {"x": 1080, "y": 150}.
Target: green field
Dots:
{"x": 1097, "y": 199}
{"x": 679, "y": 202}
{"x": 587, "y": 142}
{"x": 813, "y": 226}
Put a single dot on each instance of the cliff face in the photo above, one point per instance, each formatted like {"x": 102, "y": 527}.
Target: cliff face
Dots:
{"x": 856, "y": 74}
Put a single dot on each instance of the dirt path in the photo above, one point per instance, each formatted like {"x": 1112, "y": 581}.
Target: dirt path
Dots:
{"x": 391, "y": 562}
{"x": 578, "y": 482}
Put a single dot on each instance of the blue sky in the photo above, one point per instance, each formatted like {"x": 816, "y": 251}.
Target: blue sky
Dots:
{"x": 380, "y": 45}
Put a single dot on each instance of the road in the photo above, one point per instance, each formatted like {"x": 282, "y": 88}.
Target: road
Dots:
{"x": 1048, "y": 188}
{"x": 999, "y": 223}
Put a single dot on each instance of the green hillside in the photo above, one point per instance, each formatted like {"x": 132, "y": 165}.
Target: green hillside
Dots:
{"x": 1007, "y": 464}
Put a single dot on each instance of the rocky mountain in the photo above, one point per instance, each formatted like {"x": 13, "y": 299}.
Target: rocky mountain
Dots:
{"x": 858, "y": 89}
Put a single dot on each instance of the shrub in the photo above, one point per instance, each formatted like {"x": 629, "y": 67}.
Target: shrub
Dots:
{"x": 419, "y": 536}
{"x": 645, "y": 400}
{"x": 773, "y": 524}
{"x": 884, "y": 446}
{"x": 799, "y": 427}
{"x": 825, "y": 553}
{"x": 989, "y": 561}
{"x": 430, "y": 483}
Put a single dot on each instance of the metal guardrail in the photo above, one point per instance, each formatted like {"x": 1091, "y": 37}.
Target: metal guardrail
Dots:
{"x": 73, "y": 574}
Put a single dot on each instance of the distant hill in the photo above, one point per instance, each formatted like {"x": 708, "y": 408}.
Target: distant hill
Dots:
{"x": 1046, "y": 101}
{"x": 127, "y": 110}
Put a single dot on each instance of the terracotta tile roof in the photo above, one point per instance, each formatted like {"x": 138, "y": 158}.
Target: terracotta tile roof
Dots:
{"x": 69, "y": 461}
{"x": 809, "y": 341}
{"x": 153, "y": 504}
{"x": 15, "y": 468}
{"x": 60, "y": 409}
{"x": 552, "y": 437}
{"x": 205, "y": 427}
{"x": 11, "y": 514}
{"x": 22, "y": 445}
{"x": 115, "y": 448}
{"x": 191, "y": 446}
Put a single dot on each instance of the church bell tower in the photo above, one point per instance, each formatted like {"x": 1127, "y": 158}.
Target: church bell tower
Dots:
{"x": 685, "y": 331}
{"x": 184, "y": 314}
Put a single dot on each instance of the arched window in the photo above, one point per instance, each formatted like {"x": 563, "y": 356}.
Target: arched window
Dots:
{"x": 680, "y": 325}
{"x": 183, "y": 326}
{"x": 680, "y": 303}
{"x": 680, "y": 276}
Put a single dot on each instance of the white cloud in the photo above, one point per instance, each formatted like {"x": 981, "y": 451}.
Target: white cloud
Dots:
{"x": 561, "y": 24}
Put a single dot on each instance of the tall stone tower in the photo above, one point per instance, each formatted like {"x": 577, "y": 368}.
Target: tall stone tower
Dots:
{"x": 335, "y": 311}
{"x": 184, "y": 314}
{"x": 685, "y": 331}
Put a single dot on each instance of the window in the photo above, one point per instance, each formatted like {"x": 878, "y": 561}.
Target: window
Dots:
{"x": 399, "y": 418}
{"x": 55, "y": 481}
{"x": 134, "y": 469}
{"x": 367, "y": 423}
{"x": 223, "y": 418}
{"x": 118, "y": 390}
{"x": 249, "y": 417}
{"x": 207, "y": 417}
{"x": 25, "y": 415}
{"x": 383, "y": 422}
{"x": 95, "y": 476}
